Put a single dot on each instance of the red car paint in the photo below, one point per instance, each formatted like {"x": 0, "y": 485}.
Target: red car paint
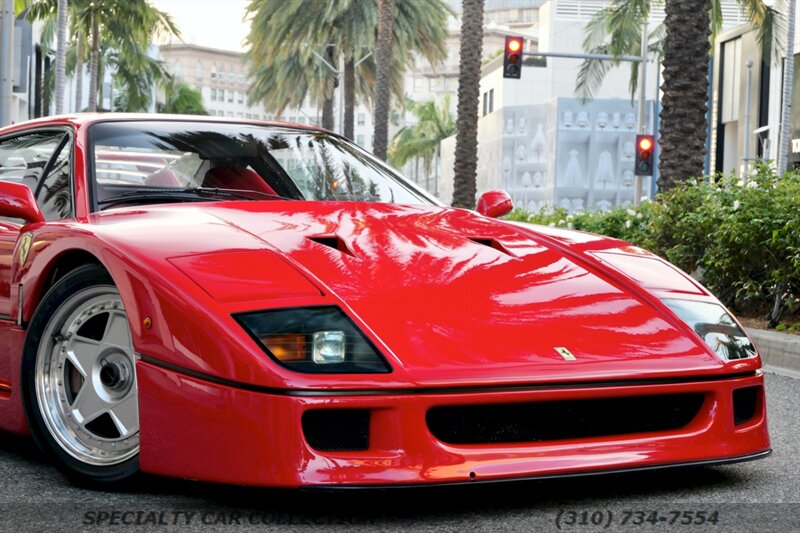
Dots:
{"x": 466, "y": 310}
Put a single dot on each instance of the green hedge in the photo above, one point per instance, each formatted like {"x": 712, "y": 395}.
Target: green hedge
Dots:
{"x": 742, "y": 237}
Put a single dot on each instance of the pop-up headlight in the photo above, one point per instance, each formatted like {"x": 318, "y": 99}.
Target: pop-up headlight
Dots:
{"x": 715, "y": 326}
{"x": 314, "y": 339}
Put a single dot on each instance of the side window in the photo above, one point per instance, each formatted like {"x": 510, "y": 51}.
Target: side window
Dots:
{"x": 23, "y": 159}
{"x": 55, "y": 192}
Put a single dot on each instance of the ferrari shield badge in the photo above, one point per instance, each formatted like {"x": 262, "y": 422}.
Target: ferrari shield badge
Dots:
{"x": 24, "y": 247}
{"x": 566, "y": 354}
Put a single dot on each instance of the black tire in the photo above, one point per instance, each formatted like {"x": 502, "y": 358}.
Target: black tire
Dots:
{"x": 81, "y": 281}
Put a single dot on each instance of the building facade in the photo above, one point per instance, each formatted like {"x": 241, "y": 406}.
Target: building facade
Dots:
{"x": 544, "y": 146}
{"x": 221, "y": 76}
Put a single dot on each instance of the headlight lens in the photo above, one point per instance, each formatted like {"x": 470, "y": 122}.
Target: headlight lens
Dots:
{"x": 314, "y": 339}
{"x": 715, "y": 326}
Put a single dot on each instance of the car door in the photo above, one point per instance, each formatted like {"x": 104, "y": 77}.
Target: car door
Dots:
{"x": 27, "y": 158}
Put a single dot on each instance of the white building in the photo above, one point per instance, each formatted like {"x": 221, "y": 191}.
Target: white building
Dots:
{"x": 221, "y": 77}
{"x": 545, "y": 147}
{"x": 742, "y": 135}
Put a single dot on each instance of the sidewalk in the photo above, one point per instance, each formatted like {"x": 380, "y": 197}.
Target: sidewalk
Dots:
{"x": 781, "y": 351}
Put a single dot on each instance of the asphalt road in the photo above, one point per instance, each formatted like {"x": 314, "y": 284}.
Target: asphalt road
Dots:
{"x": 757, "y": 496}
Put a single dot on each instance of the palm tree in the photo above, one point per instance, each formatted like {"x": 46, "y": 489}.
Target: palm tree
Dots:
{"x": 684, "y": 106}
{"x": 434, "y": 123}
{"x": 286, "y": 36}
{"x": 135, "y": 75}
{"x": 683, "y": 42}
{"x": 126, "y": 27}
{"x": 383, "y": 54}
{"x": 469, "y": 79}
{"x": 617, "y": 30}
{"x": 182, "y": 99}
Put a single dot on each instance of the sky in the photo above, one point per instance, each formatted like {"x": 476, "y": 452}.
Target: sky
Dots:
{"x": 212, "y": 23}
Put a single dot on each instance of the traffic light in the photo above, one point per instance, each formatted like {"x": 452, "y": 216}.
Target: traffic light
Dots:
{"x": 512, "y": 58}
{"x": 645, "y": 145}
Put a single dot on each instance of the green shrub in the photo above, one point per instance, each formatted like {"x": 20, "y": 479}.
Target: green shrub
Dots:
{"x": 743, "y": 237}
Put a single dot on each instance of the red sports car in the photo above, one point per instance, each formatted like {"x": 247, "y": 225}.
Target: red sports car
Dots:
{"x": 267, "y": 304}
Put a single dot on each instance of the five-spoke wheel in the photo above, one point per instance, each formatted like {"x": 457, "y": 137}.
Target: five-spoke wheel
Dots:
{"x": 81, "y": 378}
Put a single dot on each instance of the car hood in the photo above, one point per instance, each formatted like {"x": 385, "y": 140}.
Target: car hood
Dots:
{"x": 454, "y": 296}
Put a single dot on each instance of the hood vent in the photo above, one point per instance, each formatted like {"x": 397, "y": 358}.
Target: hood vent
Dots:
{"x": 492, "y": 243}
{"x": 333, "y": 241}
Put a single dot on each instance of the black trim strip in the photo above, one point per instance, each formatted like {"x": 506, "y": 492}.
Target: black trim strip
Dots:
{"x": 432, "y": 390}
{"x": 5, "y": 317}
{"x": 648, "y": 468}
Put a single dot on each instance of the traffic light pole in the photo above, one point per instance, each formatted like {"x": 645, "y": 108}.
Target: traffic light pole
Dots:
{"x": 637, "y": 180}
{"x": 339, "y": 73}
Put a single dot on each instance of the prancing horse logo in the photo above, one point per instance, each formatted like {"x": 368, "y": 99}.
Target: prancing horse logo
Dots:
{"x": 566, "y": 354}
{"x": 24, "y": 247}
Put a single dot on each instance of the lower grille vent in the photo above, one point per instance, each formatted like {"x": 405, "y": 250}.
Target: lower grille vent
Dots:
{"x": 340, "y": 430}
{"x": 558, "y": 420}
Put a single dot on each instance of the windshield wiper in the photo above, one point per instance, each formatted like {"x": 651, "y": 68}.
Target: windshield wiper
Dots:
{"x": 183, "y": 195}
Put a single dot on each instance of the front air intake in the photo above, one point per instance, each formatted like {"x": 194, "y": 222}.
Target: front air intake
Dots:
{"x": 561, "y": 420}
{"x": 337, "y": 430}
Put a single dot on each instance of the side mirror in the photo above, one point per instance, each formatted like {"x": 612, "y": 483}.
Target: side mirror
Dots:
{"x": 494, "y": 204}
{"x": 17, "y": 201}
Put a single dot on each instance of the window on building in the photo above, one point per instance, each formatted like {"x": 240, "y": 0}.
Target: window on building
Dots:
{"x": 198, "y": 71}
{"x": 732, "y": 60}
{"x": 213, "y": 94}
{"x": 360, "y": 140}
{"x": 434, "y": 84}
{"x": 527, "y": 15}
{"x": 230, "y": 73}
{"x": 419, "y": 84}
{"x": 491, "y": 100}
{"x": 239, "y": 115}
{"x": 485, "y": 104}
{"x": 230, "y": 96}
{"x": 362, "y": 119}
{"x": 229, "y": 114}
{"x": 240, "y": 98}
{"x": 213, "y": 72}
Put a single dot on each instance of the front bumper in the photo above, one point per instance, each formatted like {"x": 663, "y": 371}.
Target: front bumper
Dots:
{"x": 197, "y": 429}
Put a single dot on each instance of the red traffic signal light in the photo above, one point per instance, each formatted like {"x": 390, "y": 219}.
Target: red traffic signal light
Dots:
{"x": 512, "y": 58}
{"x": 645, "y": 144}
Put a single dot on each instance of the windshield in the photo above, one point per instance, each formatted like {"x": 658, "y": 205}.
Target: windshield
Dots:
{"x": 157, "y": 162}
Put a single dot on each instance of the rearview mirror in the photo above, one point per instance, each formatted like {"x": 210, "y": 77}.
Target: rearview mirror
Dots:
{"x": 17, "y": 201}
{"x": 494, "y": 204}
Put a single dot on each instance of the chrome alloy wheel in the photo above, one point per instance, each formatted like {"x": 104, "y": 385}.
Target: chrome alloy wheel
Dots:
{"x": 86, "y": 380}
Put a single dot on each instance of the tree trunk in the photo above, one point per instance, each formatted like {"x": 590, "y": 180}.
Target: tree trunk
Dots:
{"x": 349, "y": 98}
{"x": 327, "y": 114}
{"x": 685, "y": 87}
{"x": 383, "y": 60}
{"x": 37, "y": 82}
{"x": 79, "y": 75}
{"x": 469, "y": 78}
{"x": 61, "y": 54}
{"x": 328, "y": 111}
{"x": 94, "y": 63}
